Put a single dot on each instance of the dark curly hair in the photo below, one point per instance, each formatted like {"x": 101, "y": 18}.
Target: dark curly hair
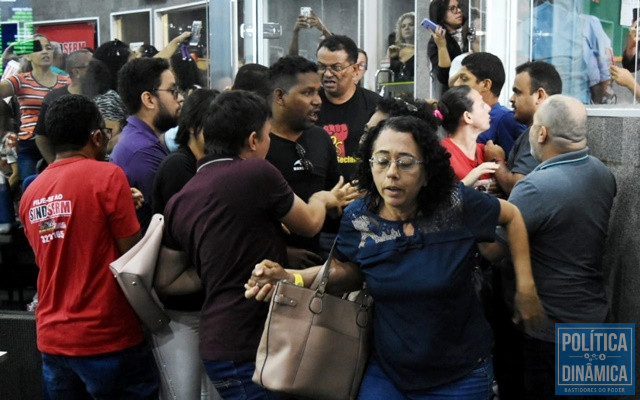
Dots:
{"x": 439, "y": 174}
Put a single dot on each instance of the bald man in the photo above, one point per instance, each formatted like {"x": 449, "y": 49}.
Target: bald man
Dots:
{"x": 565, "y": 202}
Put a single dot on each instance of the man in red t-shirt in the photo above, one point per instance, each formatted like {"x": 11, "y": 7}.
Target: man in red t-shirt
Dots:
{"x": 78, "y": 216}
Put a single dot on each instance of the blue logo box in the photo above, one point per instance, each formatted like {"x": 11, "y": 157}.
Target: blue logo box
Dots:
{"x": 595, "y": 359}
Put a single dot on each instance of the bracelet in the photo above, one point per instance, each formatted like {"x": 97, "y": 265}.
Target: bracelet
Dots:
{"x": 298, "y": 281}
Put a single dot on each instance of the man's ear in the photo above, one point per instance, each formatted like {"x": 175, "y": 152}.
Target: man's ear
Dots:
{"x": 542, "y": 96}
{"x": 252, "y": 141}
{"x": 486, "y": 84}
{"x": 278, "y": 96}
{"x": 148, "y": 100}
{"x": 543, "y": 135}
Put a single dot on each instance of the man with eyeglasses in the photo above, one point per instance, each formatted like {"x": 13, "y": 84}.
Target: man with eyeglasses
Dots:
{"x": 78, "y": 216}
{"x": 301, "y": 150}
{"x": 148, "y": 89}
{"x": 346, "y": 107}
{"x": 76, "y": 67}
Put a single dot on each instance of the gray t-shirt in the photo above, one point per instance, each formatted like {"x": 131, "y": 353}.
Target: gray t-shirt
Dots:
{"x": 565, "y": 203}
{"x": 520, "y": 160}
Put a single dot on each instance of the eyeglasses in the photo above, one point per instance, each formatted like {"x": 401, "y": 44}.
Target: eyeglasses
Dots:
{"x": 454, "y": 8}
{"x": 363, "y": 65}
{"x": 175, "y": 92}
{"x": 335, "y": 68}
{"x": 404, "y": 163}
{"x": 306, "y": 164}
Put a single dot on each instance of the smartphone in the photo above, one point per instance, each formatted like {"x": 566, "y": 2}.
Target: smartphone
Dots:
{"x": 196, "y": 27}
{"x": 27, "y": 47}
{"x": 305, "y": 11}
{"x": 429, "y": 24}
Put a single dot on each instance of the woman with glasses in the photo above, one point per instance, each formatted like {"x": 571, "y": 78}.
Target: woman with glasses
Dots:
{"x": 448, "y": 40}
{"x": 464, "y": 117}
{"x": 409, "y": 238}
{"x": 402, "y": 51}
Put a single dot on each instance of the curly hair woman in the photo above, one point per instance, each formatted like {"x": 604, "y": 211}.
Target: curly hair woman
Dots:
{"x": 409, "y": 238}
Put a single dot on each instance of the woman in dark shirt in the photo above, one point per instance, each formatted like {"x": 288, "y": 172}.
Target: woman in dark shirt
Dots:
{"x": 409, "y": 239}
{"x": 449, "y": 39}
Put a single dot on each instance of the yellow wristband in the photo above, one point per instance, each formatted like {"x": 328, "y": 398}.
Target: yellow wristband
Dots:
{"x": 298, "y": 281}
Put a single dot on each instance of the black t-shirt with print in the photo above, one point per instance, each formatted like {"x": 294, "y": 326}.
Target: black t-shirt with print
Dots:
{"x": 345, "y": 124}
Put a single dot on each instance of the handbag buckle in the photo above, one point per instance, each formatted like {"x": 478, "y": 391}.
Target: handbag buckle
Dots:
{"x": 315, "y": 305}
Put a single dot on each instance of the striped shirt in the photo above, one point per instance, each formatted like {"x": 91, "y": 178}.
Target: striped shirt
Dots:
{"x": 30, "y": 94}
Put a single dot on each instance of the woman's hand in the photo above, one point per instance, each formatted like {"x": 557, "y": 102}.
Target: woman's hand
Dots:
{"x": 439, "y": 36}
{"x": 394, "y": 51}
{"x": 263, "y": 279}
{"x": 623, "y": 77}
{"x": 344, "y": 194}
{"x": 482, "y": 169}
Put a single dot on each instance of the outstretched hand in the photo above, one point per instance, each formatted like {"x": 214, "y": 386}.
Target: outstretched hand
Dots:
{"x": 138, "y": 198}
{"x": 263, "y": 279}
{"x": 344, "y": 194}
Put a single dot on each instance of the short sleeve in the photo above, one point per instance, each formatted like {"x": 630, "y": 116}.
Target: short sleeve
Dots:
{"x": 14, "y": 81}
{"x": 121, "y": 214}
{"x": 526, "y": 196}
{"x": 480, "y": 213}
{"x": 278, "y": 194}
{"x": 348, "y": 239}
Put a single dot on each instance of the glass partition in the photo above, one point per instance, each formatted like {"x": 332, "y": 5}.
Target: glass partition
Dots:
{"x": 133, "y": 27}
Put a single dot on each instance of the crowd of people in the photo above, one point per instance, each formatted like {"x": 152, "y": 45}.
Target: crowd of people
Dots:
{"x": 461, "y": 216}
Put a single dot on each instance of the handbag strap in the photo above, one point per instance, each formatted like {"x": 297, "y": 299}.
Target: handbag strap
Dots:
{"x": 322, "y": 277}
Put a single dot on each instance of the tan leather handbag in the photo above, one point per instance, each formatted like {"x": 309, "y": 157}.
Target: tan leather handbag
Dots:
{"x": 314, "y": 345}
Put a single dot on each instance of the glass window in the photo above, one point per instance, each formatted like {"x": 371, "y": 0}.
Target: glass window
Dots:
{"x": 284, "y": 32}
{"x": 132, "y": 27}
{"x": 581, "y": 39}
{"x": 395, "y": 68}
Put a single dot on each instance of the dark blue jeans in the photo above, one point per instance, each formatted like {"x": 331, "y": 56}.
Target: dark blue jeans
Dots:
{"x": 28, "y": 156}
{"x": 376, "y": 385}
{"x": 126, "y": 374}
{"x": 233, "y": 381}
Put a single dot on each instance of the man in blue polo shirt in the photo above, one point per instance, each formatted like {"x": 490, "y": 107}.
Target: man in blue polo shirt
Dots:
{"x": 148, "y": 89}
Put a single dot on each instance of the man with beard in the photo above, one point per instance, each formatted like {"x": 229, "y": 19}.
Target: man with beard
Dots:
{"x": 346, "y": 108}
{"x": 148, "y": 89}
{"x": 302, "y": 151}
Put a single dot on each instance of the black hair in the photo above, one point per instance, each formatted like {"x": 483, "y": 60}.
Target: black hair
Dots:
{"x": 341, "y": 42}
{"x": 193, "y": 113}
{"x": 543, "y": 75}
{"x": 438, "y": 172}
{"x": 486, "y": 66}
{"x": 138, "y": 76}
{"x": 254, "y": 78}
{"x": 69, "y": 122}
{"x": 147, "y": 50}
{"x": 453, "y": 103}
{"x": 114, "y": 54}
{"x": 438, "y": 11}
{"x": 97, "y": 79}
{"x": 283, "y": 73}
{"x": 407, "y": 105}
{"x": 231, "y": 118}
{"x": 186, "y": 71}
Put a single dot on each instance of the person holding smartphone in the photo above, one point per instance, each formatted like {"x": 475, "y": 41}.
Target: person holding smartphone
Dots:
{"x": 306, "y": 20}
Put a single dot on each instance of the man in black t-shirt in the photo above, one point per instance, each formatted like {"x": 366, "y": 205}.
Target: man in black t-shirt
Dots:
{"x": 346, "y": 108}
{"x": 302, "y": 151}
